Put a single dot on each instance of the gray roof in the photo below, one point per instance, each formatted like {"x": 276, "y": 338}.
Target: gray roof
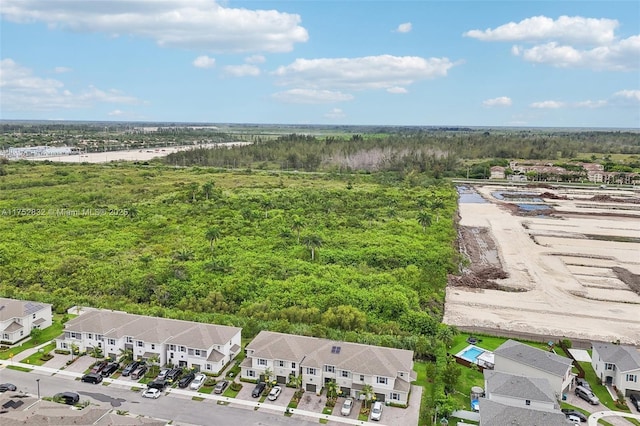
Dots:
{"x": 12, "y": 308}
{"x": 14, "y": 326}
{"x": 495, "y": 414}
{"x": 534, "y": 357}
{"x": 117, "y": 324}
{"x": 626, "y": 358}
{"x": 316, "y": 352}
{"x": 511, "y": 385}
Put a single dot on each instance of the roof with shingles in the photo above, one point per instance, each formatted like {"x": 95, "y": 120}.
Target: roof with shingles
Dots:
{"x": 13, "y": 308}
{"x": 626, "y": 358}
{"x": 534, "y": 357}
{"x": 521, "y": 387}
{"x": 495, "y": 414}
{"x": 316, "y": 352}
{"x": 117, "y": 324}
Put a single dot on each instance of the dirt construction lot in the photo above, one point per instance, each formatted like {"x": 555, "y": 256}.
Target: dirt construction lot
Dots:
{"x": 550, "y": 261}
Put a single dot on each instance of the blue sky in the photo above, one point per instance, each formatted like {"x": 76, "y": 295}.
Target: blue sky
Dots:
{"x": 475, "y": 63}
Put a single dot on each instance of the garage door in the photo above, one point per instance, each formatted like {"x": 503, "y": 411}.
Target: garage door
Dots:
{"x": 380, "y": 397}
{"x": 311, "y": 387}
{"x": 281, "y": 379}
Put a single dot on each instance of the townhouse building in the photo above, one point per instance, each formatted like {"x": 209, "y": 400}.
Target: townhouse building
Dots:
{"x": 19, "y": 317}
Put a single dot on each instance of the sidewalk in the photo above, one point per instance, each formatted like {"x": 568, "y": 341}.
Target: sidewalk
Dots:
{"x": 181, "y": 392}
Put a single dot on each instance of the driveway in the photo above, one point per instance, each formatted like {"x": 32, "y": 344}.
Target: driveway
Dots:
{"x": 285, "y": 397}
{"x": 581, "y": 403}
{"x": 80, "y": 365}
{"x": 245, "y": 392}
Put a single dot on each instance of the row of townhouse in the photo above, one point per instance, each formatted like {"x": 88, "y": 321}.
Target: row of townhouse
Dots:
{"x": 318, "y": 361}
{"x": 204, "y": 347}
{"x": 19, "y": 317}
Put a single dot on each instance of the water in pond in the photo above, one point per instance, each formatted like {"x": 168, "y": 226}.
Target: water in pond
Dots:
{"x": 469, "y": 195}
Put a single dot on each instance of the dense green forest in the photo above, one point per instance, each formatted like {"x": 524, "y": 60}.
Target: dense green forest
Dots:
{"x": 344, "y": 256}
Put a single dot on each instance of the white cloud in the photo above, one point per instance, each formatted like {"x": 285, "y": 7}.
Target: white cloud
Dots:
{"x": 591, "y": 104}
{"x": 61, "y": 70}
{"x": 116, "y": 113}
{"x": 397, "y": 90}
{"x": 547, "y": 105}
{"x": 404, "y": 28}
{"x": 568, "y": 42}
{"x": 629, "y": 95}
{"x": 192, "y": 24}
{"x": 245, "y": 70}
{"x": 570, "y": 29}
{"x": 311, "y": 96}
{"x": 23, "y": 91}
{"x": 502, "y": 101}
{"x": 255, "y": 59}
{"x": 335, "y": 113}
{"x": 204, "y": 61}
{"x": 370, "y": 72}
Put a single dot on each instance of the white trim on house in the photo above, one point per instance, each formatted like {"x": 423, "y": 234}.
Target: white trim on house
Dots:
{"x": 19, "y": 317}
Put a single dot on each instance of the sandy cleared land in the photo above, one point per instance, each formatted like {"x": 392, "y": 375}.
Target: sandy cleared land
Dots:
{"x": 561, "y": 266}
{"x": 129, "y": 155}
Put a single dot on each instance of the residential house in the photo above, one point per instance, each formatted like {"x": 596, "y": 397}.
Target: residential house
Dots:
{"x": 318, "y": 361}
{"x": 524, "y": 360}
{"x": 617, "y": 365}
{"x": 497, "y": 172}
{"x": 19, "y": 317}
{"x": 520, "y": 391}
{"x": 204, "y": 347}
{"x": 494, "y": 413}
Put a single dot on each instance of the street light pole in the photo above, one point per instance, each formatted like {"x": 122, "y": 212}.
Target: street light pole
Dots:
{"x": 38, "y": 382}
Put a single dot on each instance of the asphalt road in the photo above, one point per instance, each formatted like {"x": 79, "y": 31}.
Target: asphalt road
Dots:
{"x": 168, "y": 407}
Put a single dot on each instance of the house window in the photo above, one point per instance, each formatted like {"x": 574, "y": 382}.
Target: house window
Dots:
{"x": 527, "y": 402}
{"x": 208, "y": 366}
{"x": 381, "y": 380}
{"x": 280, "y": 363}
{"x": 311, "y": 371}
{"x": 140, "y": 343}
{"x": 76, "y": 335}
{"x": 129, "y": 339}
{"x": 183, "y": 349}
{"x": 89, "y": 336}
{"x": 632, "y": 378}
{"x": 329, "y": 369}
{"x": 197, "y": 352}
{"x": 34, "y": 316}
{"x": 344, "y": 373}
{"x": 362, "y": 377}
{"x": 100, "y": 337}
{"x": 153, "y": 346}
{"x": 608, "y": 366}
{"x": 293, "y": 365}
{"x": 394, "y": 396}
{"x": 112, "y": 342}
{"x": 251, "y": 373}
{"x": 262, "y": 361}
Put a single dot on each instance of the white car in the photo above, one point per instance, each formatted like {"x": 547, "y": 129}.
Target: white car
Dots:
{"x": 198, "y": 381}
{"x": 151, "y": 393}
{"x": 376, "y": 411}
{"x": 275, "y": 393}
{"x": 347, "y": 406}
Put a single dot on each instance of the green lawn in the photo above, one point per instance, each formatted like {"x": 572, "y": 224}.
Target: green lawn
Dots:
{"x": 49, "y": 333}
{"x": 600, "y": 390}
{"x": 230, "y": 392}
{"x": 34, "y": 359}
{"x": 468, "y": 378}
{"x": 489, "y": 343}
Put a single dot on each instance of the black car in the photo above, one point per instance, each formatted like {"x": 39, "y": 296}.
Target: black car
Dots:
{"x": 7, "y": 387}
{"x": 94, "y": 378}
{"x": 571, "y": 412}
{"x": 221, "y": 386}
{"x": 173, "y": 375}
{"x": 129, "y": 368}
{"x": 188, "y": 378}
{"x": 110, "y": 369}
{"x": 69, "y": 398}
{"x": 635, "y": 400}
{"x": 257, "y": 391}
{"x": 159, "y": 384}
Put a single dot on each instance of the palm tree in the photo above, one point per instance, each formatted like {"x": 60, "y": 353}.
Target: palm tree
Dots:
{"x": 207, "y": 188}
{"x": 267, "y": 376}
{"x": 296, "y": 225}
{"x": 212, "y": 235}
{"x": 267, "y": 204}
{"x": 296, "y": 381}
{"x": 369, "y": 215}
{"x": 332, "y": 389}
{"x": 437, "y": 204}
{"x": 367, "y": 391}
{"x": 424, "y": 219}
{"x": 193, "y": 187}
{"x": 312, "y": 242}
{"x": 126, "y": 355}
{"x": 74, "y": 349}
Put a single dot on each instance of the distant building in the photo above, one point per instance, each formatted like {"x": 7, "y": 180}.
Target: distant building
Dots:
{"x": 617, "y": 365}
{"x": 19, "y": 317}
{"x": 497, "y": 172}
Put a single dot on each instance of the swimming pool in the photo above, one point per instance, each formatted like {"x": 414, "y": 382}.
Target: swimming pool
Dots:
{"x": 471, "y": 353}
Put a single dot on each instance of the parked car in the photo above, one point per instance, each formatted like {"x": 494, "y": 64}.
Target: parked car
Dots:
{"x": 130, "y": 368}
{"x": 163, "y": 373}
{"x": 99, "y": 366}
{"x": 571, "y": 412}
{"x": 7, "y": 387}
{"x": 257, "y": 391}
{"x": 347, "y": 406}
{"x": 376, "y": 411}
{"x": 111, "y": 368}
{"x": 221, "y": 386}
{"x": 587, "y": 395}
{"x": 69, "y": 398}
{"x": 573, "y": 419}
{"x": 151, "y": 393}
{"x": 94, "y": 378}
{"x": 635, "y": 400}
{"x": 186, "y": 380}
{"x": 139, "y": 372}
{"x": 159, "y": 384}
{"x": 274, "y": 393}
{"x": 173, "y": 374}
{"x": 583, "y": 383}
{"x": 198, "y": 381}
